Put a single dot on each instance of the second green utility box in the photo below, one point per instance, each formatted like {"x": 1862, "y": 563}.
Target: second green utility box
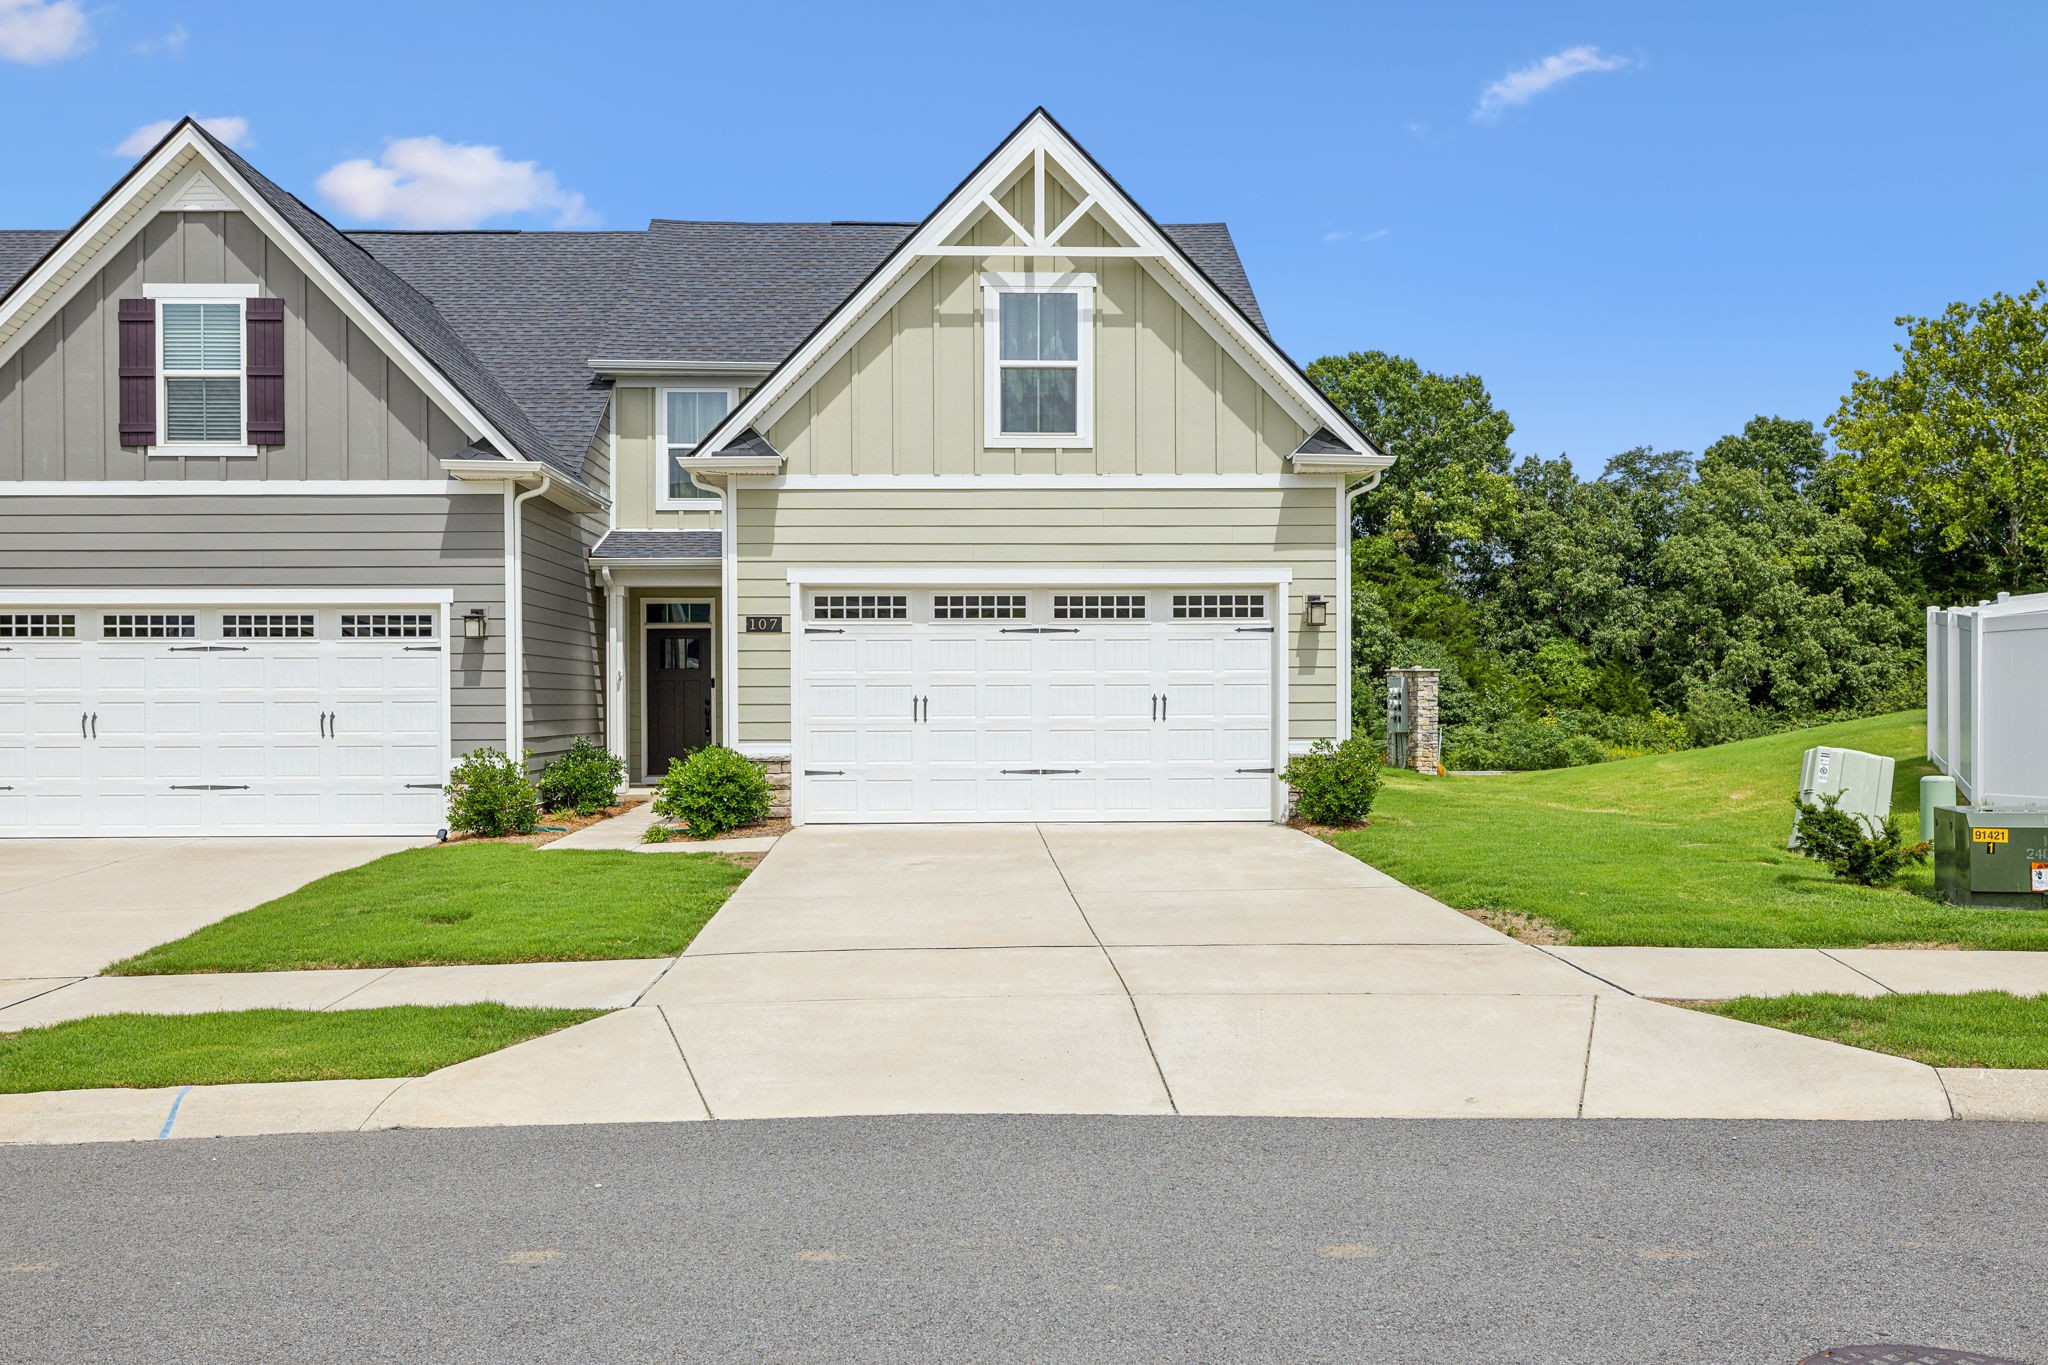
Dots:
{"x": 1993, "y": 856}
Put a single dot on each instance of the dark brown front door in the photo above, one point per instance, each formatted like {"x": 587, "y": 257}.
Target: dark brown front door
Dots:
{"x": 678, "y": 695}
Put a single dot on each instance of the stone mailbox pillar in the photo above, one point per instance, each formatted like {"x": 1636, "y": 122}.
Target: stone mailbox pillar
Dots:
{"x": 1415, "y": 737}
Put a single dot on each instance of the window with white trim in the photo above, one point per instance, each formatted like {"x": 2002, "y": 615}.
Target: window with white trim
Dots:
{"x": 148, "y": 625}
{"x": 1219, "y": 606}
{"x": 201, "y": 364}
{"x": 978, "y": 606}
{"x": 1098, "y": 606}
{"x": 275, "y": 625}
{"x": 860, "y": 606}
{"x": 682, "y": 418}
{"x": 1041, "y": 359}
{"x": 387, "y": 625}
{"x": 38, "y": 625}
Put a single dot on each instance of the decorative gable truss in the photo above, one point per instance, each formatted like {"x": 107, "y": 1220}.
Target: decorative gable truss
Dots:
{"x": 1040, "y": 198}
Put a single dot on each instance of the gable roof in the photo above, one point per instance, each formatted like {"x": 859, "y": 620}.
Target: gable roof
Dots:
{"x": 1036, "y": 142}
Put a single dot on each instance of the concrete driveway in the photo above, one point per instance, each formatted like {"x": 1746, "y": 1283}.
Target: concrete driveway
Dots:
{"x": 68, "y": 907}
{"x": 1199, "y": 969}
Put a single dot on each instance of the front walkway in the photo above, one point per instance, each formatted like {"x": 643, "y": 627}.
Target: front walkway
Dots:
{"x": 1215, "y": 969}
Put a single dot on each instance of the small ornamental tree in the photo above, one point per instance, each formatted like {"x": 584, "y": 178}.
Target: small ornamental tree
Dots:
{"x": 1850, "y": 848}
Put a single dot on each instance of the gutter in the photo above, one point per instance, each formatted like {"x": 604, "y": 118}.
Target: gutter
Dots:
{"x": 552, "y": 479}
{"x": 515, "y": 617}
{"x": 679, "y": 368}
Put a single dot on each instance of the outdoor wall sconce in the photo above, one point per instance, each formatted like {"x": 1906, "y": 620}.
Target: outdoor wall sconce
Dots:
{"x": 474, "y": 626}
{"x": 1316, "y": 611}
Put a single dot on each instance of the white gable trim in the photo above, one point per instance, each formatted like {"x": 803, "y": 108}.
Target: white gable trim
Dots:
{"x": 154, "y": 186}
{"x": 1036, "y": 140}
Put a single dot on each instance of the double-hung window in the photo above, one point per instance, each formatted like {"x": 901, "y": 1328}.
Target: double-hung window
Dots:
{"x": 202, "y": 367}
{"x": 682, "y": 418}
{"x": 1041, "y": 359}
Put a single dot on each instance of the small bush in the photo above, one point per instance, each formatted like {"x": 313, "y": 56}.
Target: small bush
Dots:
{"x": 712, "y": 791}
{"x": 1847, "y": 847}
{"x": 656, "y": 833}
{"x": 1334, "y": 784}
{"x": 489, "y": 795}
{"x": 585, "y": 779}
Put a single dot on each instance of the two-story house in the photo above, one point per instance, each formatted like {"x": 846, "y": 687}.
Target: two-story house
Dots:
{"x": 1013, "y": 513}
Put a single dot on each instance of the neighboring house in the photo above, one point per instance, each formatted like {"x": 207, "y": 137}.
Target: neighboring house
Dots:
{"x": 1014, "y": 513}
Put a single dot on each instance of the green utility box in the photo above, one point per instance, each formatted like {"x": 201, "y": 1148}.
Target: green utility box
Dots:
{"x": 1995, "y": 856}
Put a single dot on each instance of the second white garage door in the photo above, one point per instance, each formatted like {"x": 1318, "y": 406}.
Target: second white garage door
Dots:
{"x": 1036, "y": 704}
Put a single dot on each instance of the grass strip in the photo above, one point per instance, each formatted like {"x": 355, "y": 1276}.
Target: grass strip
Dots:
{"x": 1982, "y": 1028}
{"x": 142, "y": 1051}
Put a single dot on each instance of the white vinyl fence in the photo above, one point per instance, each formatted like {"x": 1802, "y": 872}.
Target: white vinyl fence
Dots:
{"x": 1987, "y": 699}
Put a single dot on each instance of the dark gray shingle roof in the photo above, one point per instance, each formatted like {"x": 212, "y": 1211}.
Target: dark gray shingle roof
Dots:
{"x": 658, "y": 545}
{"x": 20, "y": 249}
{"x": 533, "y": 306}
{"x": 749, "y": 293}
{"x": 1323, "y": 441}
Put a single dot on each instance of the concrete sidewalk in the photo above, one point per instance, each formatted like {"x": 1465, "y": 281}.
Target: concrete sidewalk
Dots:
{"x": 625, "y": 832}
{"x": 1725, "y": 973}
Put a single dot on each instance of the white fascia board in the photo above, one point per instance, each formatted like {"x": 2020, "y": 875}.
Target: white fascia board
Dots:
{"x": 227, "y": 597}
{"x": 1038, "y": 483}
{"x": 202, "y": 291}
{"x": 518, "y": 471}
{"x": 730, "y": 464}
{"x": 643, "y": 562}
{"x": 1164, "y": 260}
{"x": 676, "y": 369}
{"x": 1340, "y": 464}
{"x": 232, "y": 488}
{"x": 971, "y": 576}
{"x": 184, "y": 146}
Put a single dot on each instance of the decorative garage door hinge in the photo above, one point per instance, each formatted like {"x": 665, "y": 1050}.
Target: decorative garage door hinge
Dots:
{"x": 1039, "y": 772}
{"x": 209, "y": 787}
{"x": 824, "y": 772}
{"x": 1255, "y": 770}
{"x": 824, "y": 630}
{"x": 1041, "y": 630}
{"x": 209, "y": 649}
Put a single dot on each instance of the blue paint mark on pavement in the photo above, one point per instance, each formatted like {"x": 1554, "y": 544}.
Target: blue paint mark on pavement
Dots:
{"x": 172, "y": 1117}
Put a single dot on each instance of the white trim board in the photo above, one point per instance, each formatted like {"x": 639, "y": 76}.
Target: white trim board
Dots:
{"x": 237, "y": 488}
{"x": 209, "y": 293}
{"x": 228, "y": 597}
{"x": 970, "y": 576}
{"x": 1080, "y": 483}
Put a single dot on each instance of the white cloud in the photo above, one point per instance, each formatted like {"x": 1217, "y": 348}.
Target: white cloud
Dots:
{"x": 423, "y": 182}
{"x": 36, "y": 32}
{"x": 170, "y": 43}
{"x": 229, "y": 128}
{"x": 1526, "y": 83}
{"x": 1353, "y": 235}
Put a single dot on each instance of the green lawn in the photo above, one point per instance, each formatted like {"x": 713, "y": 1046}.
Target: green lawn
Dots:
{"x": 1683, "y": 850}
{"x": 465, "y": 903}
{"x": 145, "y": 1050}
{"x": 1984, "y": 1028}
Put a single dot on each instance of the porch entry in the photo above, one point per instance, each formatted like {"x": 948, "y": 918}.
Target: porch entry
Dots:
{"x": 677, "y": 661}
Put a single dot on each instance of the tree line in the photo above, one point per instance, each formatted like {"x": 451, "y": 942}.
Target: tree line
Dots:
{"x": 1775, "y": 579}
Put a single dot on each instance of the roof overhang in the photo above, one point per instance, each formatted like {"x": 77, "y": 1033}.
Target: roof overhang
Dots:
{"x": 561, "y": 488}
{"x": 119, "y": 217}
{"x": 725, "y": 463}
{"x": 1036, "y": 141}
{"x": 1350, "y": 462}
{"x": 678, "y": 368}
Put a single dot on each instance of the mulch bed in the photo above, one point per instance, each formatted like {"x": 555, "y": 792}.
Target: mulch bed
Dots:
{"x": 572, "y": 821}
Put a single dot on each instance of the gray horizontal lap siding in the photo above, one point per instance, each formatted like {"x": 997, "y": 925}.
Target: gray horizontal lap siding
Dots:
{"x": 564, "y": 629}
{"x": 350, "y": 412}
{"x": 325, "y": 544}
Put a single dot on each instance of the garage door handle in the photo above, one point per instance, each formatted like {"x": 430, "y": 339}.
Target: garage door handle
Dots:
{"x": 824, "y": 772}
{"x": 209, "y": 787}
{"x": 95, "y": 725}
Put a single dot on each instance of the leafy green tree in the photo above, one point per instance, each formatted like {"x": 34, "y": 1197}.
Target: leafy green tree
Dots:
{"x": 1945, "y": 461}
{"x": 1449, "y": 484}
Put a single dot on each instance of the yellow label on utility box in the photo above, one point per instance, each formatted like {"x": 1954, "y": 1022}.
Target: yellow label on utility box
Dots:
{"x": 1990, "y": 836}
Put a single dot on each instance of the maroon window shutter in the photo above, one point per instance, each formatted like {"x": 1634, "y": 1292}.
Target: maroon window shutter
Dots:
{"x": 265, "y": 319}
{"x": 138, "y": 372}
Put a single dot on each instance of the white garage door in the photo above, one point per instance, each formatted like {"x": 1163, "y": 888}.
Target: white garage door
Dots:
{"x": 222, "y": 720}
{"x": 1036, "y": 704}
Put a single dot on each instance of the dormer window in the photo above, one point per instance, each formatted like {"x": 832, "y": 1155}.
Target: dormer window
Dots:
{"x": 683, "y": 417}
{"x": 1041, "y": 359}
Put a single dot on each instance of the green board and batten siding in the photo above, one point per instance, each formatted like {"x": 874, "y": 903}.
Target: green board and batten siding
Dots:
{"x": 1179, "y": 529}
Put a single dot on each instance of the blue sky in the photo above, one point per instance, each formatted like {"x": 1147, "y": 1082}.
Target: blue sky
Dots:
{"x": 1663, "y": 220}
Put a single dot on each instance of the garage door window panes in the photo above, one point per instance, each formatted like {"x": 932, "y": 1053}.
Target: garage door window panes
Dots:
{"x": 1219, "y": 606}
{"x": 860, "y": 606}
{"x": 978, "y": 606}
{"x": 267, "y": 626}
{"x": 148, "y": 626}
{"x": 387, "y": 625}
{"x": 38, "y": 625}
{"x": 1098, "y": 606}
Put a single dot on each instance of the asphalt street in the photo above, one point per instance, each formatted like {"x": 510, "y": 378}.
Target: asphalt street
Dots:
{"x": 1033, "y": 1239}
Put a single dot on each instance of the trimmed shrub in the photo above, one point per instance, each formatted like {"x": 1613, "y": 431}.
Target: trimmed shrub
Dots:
{"x": 712, "y": 791}
{"x": 1334, "y": 784}
{"x": 585, "y": 779}
{"x": 656, "y": 833}
{"x": 489, "y": 795}
{"x": 1846, "y": 846}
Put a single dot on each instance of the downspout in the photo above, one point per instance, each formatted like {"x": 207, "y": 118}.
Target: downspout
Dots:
{"x": 614, "y": 663}
{"x": 728, "y": 604}
{"x": 515, "y": 618}
{"x": 1346, "y": 510}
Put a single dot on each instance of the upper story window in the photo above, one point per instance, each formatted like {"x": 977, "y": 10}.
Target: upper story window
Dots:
{"x": 682, "y": 418}
{"x": 202, "y": 369}
{"x": 1041, "y": 359}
